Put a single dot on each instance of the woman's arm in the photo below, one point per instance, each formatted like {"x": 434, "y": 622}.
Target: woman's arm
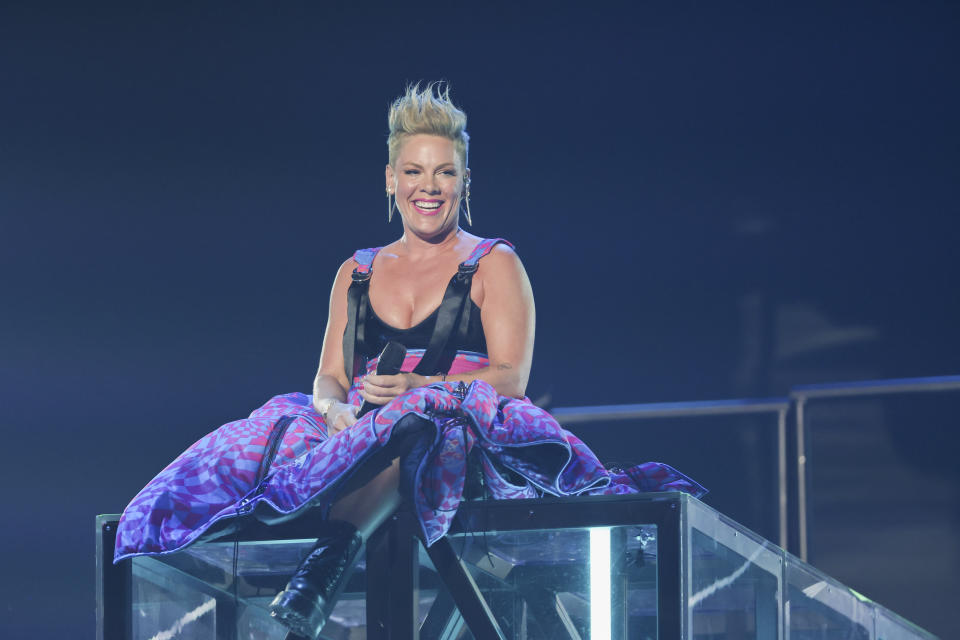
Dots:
{"x": 330, "y": 385}
{"x": 509, "y": 319}
{"x": 507, "y": 311}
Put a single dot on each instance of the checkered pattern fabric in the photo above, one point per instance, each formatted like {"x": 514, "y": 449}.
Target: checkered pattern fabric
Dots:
{"x": 215, "y": 478}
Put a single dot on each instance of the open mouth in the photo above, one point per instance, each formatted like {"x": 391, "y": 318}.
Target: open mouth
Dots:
{"x": 427, "y": 207}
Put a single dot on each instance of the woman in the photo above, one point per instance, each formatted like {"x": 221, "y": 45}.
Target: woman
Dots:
{"x": 463, "y": 308}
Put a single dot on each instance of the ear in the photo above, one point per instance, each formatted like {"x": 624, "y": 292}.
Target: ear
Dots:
{"x": 466, "y": 178}
{"x": 391, "y": 178}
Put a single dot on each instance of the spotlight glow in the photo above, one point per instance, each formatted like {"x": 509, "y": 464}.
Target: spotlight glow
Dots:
{"x": 600, "y": 606}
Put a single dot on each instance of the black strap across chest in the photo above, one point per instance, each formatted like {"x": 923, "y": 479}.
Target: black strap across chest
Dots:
{"x": 453, "y": 319}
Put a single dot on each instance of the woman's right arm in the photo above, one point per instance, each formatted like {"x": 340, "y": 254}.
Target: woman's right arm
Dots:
{"x": 331, "y": 384}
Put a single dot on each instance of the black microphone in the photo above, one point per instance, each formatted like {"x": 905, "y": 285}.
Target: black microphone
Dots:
{"x": 389, "y": 363}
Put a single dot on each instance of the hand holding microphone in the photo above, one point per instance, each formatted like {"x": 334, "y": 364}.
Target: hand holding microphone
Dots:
{"x": 389, "y": 363}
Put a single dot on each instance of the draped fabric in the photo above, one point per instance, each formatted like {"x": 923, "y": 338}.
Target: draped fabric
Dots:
{"x": 280, "y": 461}
{"x": 522, "y": 451}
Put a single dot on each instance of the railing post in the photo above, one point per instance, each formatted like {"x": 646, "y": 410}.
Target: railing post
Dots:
{"x": 801, "y": 481}
{"x": 803, "y": 393}
{"x": 782, "y": 474}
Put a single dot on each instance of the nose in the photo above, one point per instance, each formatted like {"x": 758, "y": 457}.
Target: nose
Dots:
{"x": 430, "y": 184}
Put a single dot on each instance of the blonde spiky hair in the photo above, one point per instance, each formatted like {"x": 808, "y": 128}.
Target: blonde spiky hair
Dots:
{"x": 428, "y": 110}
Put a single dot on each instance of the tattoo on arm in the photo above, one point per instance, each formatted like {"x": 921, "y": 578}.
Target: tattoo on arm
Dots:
{"x": 504, "y": 365}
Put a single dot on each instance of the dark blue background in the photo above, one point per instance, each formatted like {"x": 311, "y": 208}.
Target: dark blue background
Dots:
{"x": 712, "y": 200}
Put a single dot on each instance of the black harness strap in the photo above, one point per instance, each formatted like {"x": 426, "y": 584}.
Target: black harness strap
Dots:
{"x": 452, "y": 308}
{"x": 464, "y": 325}
{"x": 453, "y": 315}
{"x": 357, "y": 309}
{"x": 356, "y": 302}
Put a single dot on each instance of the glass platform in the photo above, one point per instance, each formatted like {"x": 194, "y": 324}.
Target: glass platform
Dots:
{"x": 622, "y": 567}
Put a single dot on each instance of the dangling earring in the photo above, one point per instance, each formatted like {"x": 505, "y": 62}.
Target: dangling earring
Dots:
{"x": 389, "y": 206}
{"x": 467, "y": 199}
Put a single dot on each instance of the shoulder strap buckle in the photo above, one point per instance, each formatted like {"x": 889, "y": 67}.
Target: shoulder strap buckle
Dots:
{"x": 361, "y": 276}
{"x": 467, "y": 268}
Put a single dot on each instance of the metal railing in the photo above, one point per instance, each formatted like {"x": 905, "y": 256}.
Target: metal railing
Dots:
{"x": 798, "y": 399}
{"x": 803, "y": 393}
{"x": 780, "y": 406}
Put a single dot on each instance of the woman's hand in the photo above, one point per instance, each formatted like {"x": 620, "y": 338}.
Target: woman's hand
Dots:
{"x": 340, "y": 416}
{"x": 383, "y": 389}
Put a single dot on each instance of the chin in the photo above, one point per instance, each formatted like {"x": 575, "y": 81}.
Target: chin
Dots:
{"x": 431, "y": 225}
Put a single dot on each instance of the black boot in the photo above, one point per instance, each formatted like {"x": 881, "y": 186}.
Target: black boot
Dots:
{"x": 308, "y": 599}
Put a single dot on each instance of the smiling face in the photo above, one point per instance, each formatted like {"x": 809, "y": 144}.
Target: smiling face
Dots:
{"x": 427, "y": 181}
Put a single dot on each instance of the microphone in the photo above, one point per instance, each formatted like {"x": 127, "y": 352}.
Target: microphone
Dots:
{"x": 389, "y": 363}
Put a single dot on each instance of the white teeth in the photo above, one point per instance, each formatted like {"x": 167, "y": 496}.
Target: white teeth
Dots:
{"x": 427, "y": 205}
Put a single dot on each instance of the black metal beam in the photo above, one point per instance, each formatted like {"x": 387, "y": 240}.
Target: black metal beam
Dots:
{"x": 464, "y": 591}
{"x": 666, "y": 515}
{"x": 392, "y": 580}
{"x": 114, "y": 621}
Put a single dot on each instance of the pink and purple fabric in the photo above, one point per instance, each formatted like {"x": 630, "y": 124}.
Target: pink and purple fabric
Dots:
{"x": 219, "y": 477}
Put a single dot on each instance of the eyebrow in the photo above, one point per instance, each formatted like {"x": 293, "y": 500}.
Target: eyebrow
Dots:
{"x": 439, "y": 166}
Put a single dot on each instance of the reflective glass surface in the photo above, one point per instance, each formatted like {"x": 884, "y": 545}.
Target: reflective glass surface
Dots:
{"x": 892, "y": 627}
{"x": 735, "y": 584}
{"x": 819, "y": 608}
{"x": 162, "y": 608}
{"x": 202, "y": 593}
{"x": 695, "y": 571}
{"x": 546, "y": 584}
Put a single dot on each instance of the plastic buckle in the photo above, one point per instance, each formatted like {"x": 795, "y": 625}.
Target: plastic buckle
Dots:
{"x": 360, "y": 276}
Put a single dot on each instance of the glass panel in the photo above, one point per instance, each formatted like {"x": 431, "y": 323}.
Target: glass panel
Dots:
{"x": 193, "y": 594}
{"x": 552, "y": 584}
{"x": 892, "y": 627}
{"x": 735, "y": 580}
{"x": 161, "y": 609}
{"x": 819, "y": 608}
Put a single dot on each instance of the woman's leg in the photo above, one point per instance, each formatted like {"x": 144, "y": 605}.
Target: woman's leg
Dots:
{"x": 313, "y": 590}
{"x": 309, "y": 597}
{"x": 369, "y": 506}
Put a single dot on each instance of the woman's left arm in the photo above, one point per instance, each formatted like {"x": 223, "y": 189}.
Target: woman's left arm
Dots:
{"x": 506, "y": 306}
{"x": 509, "y": 319}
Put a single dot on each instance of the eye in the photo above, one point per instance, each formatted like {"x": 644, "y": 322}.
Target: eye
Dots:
{"x": 411, "y": 172}
{"x": 449, "y": 172}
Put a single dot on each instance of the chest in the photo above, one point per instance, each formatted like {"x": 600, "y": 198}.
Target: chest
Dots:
{"x": 403, "y": 295}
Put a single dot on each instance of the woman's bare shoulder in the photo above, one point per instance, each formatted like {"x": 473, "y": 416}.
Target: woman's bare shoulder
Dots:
{"x": 346, "y": 268}
{"x": 378, "y": 255}
{"x": 502, "y": 259}
{"x": 344, "y": 273}
{"x": 501, "y": 273}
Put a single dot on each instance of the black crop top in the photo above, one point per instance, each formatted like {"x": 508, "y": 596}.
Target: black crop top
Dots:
{"x": 454, "y": 326}
{"x": 378, "y": 333}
